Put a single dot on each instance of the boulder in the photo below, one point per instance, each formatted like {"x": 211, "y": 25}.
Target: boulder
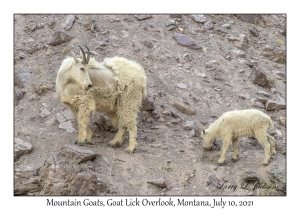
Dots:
{"x": 21, "y": 148}
{"x": 259, "y": 77}
{"x": 59, "y": 37}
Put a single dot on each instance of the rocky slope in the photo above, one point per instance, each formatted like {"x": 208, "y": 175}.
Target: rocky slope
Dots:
{"x": 198, "y": 67}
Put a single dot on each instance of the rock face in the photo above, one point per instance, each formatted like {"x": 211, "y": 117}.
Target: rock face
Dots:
{"x": 22, "y": 78}
{"x": 62, "y": 175}
{"x": 186, "y": 41}
{"x": 26, "y": 182}
{"x": 21, "y": 148}
{"x": 59, "y": 37}
{"x": 257, "y": 76}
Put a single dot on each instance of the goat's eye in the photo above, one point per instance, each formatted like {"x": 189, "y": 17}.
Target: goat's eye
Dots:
{"x": 82, "y": 69}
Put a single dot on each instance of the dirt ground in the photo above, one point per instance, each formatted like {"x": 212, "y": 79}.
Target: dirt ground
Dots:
{"x": 210, "y": 81}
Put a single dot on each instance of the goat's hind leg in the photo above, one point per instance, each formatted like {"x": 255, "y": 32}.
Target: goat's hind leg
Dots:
{"x": 263, "y": 140}
{"x": 272, "y": 145}
{"x": 235, "y": 149}
{"x": 118, "y": 137}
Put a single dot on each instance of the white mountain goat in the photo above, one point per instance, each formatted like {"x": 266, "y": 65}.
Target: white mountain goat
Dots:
{"x": 234, "y": 124}
{"x": 115, "y": 87}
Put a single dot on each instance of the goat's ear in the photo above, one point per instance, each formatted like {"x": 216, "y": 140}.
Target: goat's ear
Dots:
{"x": 74, "y": 56}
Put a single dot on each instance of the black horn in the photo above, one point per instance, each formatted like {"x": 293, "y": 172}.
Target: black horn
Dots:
{"x": 88, "y": 55}
{"x": 83, "y": 56}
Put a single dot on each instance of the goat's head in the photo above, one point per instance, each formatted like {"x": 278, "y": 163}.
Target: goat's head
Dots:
{"x": 79, "y": 70}
{"x": 207, "y": 140}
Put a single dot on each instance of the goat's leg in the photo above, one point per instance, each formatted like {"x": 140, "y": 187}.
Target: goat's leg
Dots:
{"x": 132, "y": 138}
{"x": 226, "y": 142}
{"x": 118, "y": 137}
{"x": 272, "y": 145}
{"x": 262, "y": 138}
{"x": 235, "y": 149}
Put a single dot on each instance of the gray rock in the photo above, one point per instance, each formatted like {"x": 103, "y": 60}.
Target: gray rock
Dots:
{"x": 203, "y": 75}
{"x": 274, "y": 53}
{"x": 158, "y": 182}
{"x": 103, "y": 42}
{"x": 60, "y": 118}
{"x": 21, "y": 147}
{"x": 22, "y": 78}
{"x": 256, "y": 19}
{"x": 22, "y": 55}
{"x": 186, "y": 41}
{"x": 241, "y": 42}
{"x": 279, "y": 73}
{"x": 45, "y": 112}
{"x": 171, "y": 24}
{"x": 67, "y": 114}
{"x": 281, "y": 104}
{"x": 250, "y": 176}
{"x": 62, "y": 175}
{"x": 188, "y": 125}
{"x": 258, "y": 77}
{"x": 148, "y": 44}
{"x": 258, "y": 104}
{"x": 239, "y": 53}
{"x": 184, "y": 109}
{"x": 18, "y": 96}
{"x": 211, "y": 63}
{"x": 211, "y": 179}
{"x": 68, "y": 126}
{"x": 263, "y": 93}
{"x": 226, "y": 25}
{"x": 59, "y": 37}
{"x": 262, "y": 100}
{"x": 76, "y": 154}
{"x": 182, "y": 85}
{"x": 69, "y": 22}
{"x": 254, "y": 31}
{"x": 271, "y": 105}
{"x": 208, "y": 25}
{"x": 192, "y": 133}
{"x": 142, "y": 17}
{"x": 26, "y": 181}
{"x": 199, "y": 18}
{"x": 148, "y": 104}
{"x": 176, "y": 16}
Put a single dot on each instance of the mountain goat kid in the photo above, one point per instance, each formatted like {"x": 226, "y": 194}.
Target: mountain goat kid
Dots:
{"x": 115, "y": 87}
{"x": 234, "y": 124}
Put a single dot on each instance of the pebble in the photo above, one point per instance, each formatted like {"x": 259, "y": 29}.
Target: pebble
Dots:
{"x": 182, "y": 85}
{"x": 226, "y": 25}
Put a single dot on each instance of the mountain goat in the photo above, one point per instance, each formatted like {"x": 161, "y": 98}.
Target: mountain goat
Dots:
{"x": 115, "y": 87}
{"x": 234, "y": 124}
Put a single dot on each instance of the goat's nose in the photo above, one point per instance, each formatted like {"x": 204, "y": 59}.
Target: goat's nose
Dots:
{"x": 90, "y": 85}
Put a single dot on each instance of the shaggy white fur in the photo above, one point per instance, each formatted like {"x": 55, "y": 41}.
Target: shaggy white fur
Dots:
{"x": 234, "y": 124}
{"x": 115, "y": 87}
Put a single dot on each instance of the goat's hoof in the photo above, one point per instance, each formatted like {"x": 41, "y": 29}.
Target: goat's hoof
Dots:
{"x": 79, "y": 143}
{"x": 221, "y": 164}
{"x": 109, "y": 145}
{"x": 265, "y": 164}
{"x": 129, "y": 151}
{"x": 89, "y": 142}
{"x": 234, "y": 160}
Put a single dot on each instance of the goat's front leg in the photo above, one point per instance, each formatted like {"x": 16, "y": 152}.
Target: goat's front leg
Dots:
{"x": 132, "y": 138}
{"x": 118, "y": 138}
{"x": 235, "y": 149}
{"x": 226, "y": 142}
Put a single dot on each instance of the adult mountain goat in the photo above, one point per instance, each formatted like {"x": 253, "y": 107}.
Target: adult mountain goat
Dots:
{"x": 115, "y": 87}
{"x": 234, "y": 124}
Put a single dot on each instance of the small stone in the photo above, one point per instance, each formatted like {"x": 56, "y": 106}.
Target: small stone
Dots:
{"x": 75, "y": 154}
{"x": 22, "y": 55}
{"x": 259, "y": 77}
{"x": 203, "y": 75}
{"x": 60, "y": 118}
{"x": 192, "y": 133}
{"x": 68, "y": 126}
{"x": 279, "y": 73}
{"x": 148, "y": 104}
{"x": 211, "y": 63}
{"x": 282, "y": 121}
{"x": 240, "y": 53}
{"x": 45, "y": 112}
{"x": 263, "y": 93}
{"x": 241, "y": 71}
{"x": 186, "y": 41}
{"x": 188, "y": 125}
{"x": 21, "y": 147}
{"x": 142, "y": 17}
{"x": 155, "y": 145}
{"x": 69, "y": 22}
{"x": 254, "y": 31}
{"x": 226, "y": 25}
{"x": 241, "y": 42}
{"x": 228, "y": 57}
{"x": 184, "y": 109}
{"x": 182, "y": 85}
{"x": 67, "y": 114}
{"x": 250, "y": 176}
{"x": 22, "y": 78}
{"x": 199, "y": 18}
{"x": 18, "y": 96}
{"x": 59, "y": 37}
{"x": 148, "y": 44}
{"x": 271, "y": 105}
{"x": 258, "y": 104}
{"x": 66, "y": 50}
{"x": 208, "y": 25}
{"x": 158, "y": 182}
{"x": 103, "y": 42}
